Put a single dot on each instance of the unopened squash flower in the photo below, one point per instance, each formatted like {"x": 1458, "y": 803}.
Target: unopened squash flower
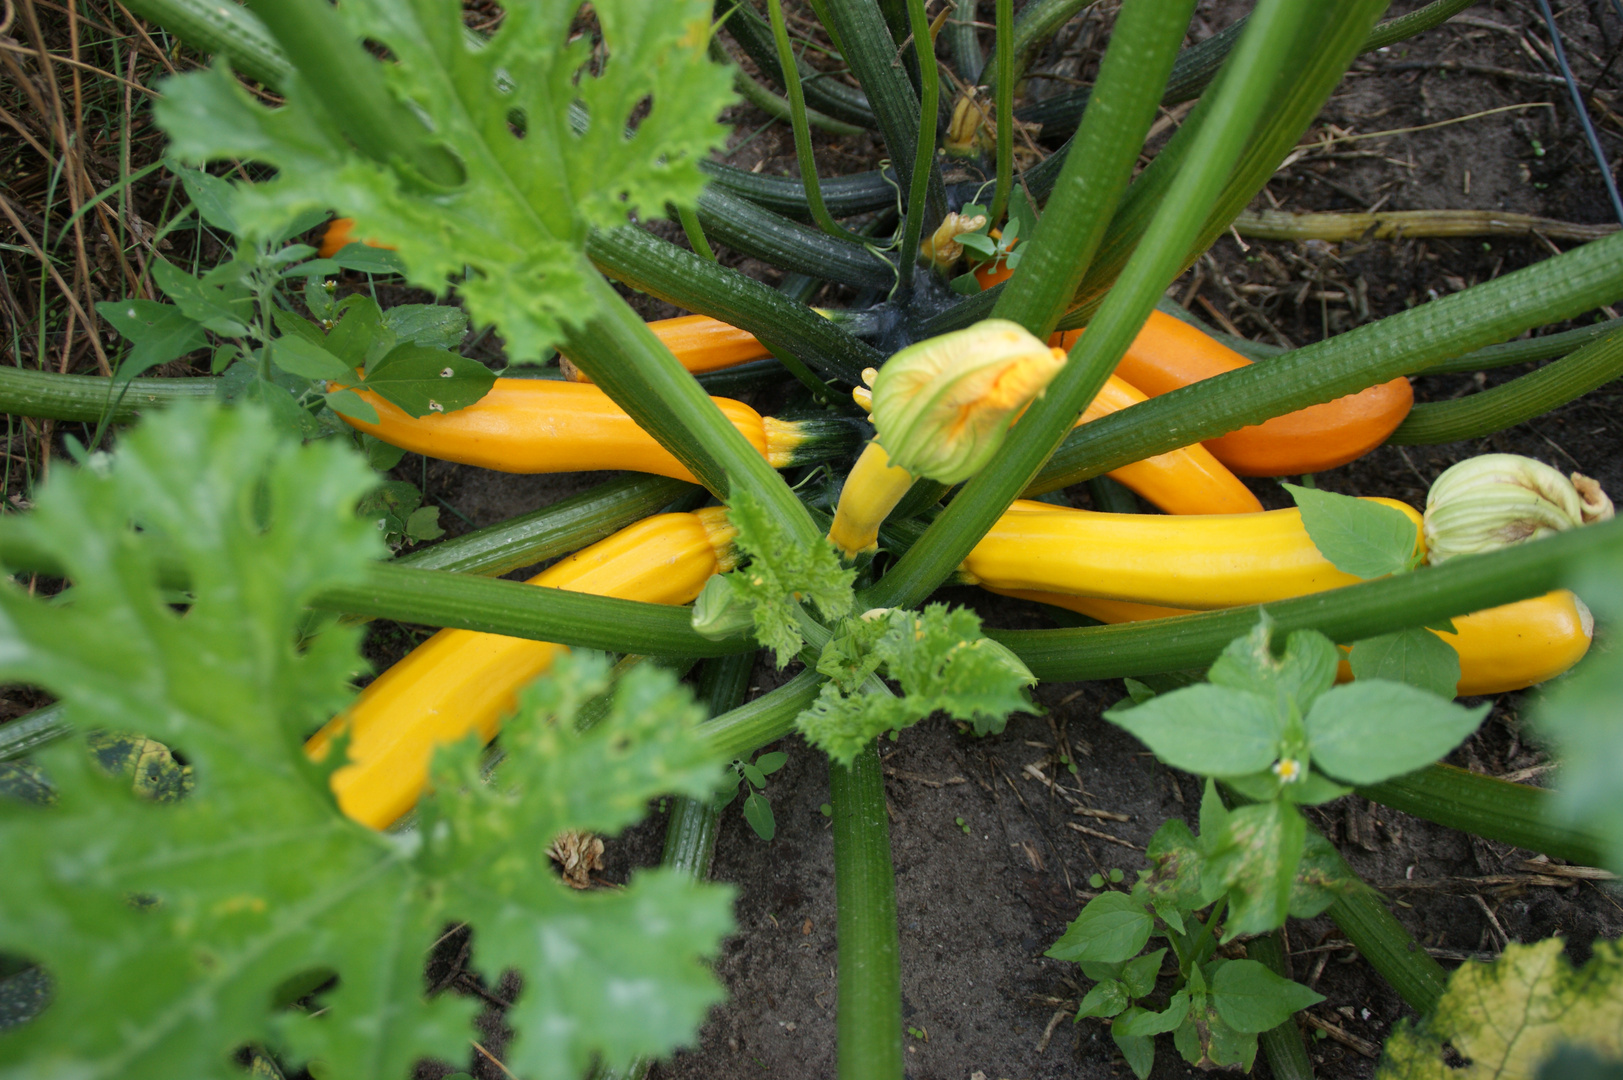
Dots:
{"x": 1495, "y": 500}
{"x": 941, "y": 409}
{"x": 942, "y": 247}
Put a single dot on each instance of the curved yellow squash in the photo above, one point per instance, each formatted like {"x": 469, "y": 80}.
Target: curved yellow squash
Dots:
{"x": 1510, "y": 647}
{"x": 1194, "y": 561}
{"x": 460, "y": 681}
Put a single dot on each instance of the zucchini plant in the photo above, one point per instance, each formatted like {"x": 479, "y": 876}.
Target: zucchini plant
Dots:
{"x": 272, "y": 912}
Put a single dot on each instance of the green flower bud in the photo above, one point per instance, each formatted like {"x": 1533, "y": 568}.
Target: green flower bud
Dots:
{"x": 942, "y": 407}
{"x": 718, "y": 613}
{"x": 1495, "y": 500}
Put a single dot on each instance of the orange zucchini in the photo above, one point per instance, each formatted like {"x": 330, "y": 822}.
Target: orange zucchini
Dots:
{"x": 1505, "y": 648}
{"x": 461, "y": 681}
{"x": 547, "y": 426}
{"x": 1168, "y": 354}
{"x": 1184, "y": 481}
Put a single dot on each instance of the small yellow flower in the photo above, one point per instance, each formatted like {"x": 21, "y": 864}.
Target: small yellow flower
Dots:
{"x": 1289, "y": 770}
{"x": 941, "y": 407}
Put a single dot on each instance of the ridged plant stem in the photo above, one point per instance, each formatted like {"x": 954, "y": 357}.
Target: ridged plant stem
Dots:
{"x": 1353, "y": 613}
{"x": 797, "y": 118}
{"x": 1127, "y": 93}
{"x": 1494, "y": 809}
{"x": 1005, "y": 107}
{"x": 1287, "y": 1055}
{"x": 924, "y": 153}
{"x": 1234, "y": 112}
{"x": 869, "y": 1014}
{"x": 1410, "y": 341}
{"x": 1517, "y": 401}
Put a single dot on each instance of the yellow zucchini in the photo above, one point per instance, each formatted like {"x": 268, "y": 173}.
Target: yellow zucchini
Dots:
{"x": 548, "y": 426}
{"x": 1198, "y": 561}
{"x": 1510, "y": 647}
{"x": 459, "y": 681}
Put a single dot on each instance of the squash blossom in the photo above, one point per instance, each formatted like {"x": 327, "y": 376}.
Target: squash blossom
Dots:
{"x": 942, "y": 247}
{"x": 941, "y": 407}
{"x": 1495, "y": 500}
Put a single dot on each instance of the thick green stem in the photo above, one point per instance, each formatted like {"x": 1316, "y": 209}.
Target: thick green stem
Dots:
{"x": 924, "y": 153}
{"x": 690, "y": 835}
{"x": 1287, "y": 1055}
{"x": 1493, "y": 809}
{"x": 773, "y": 105}
{"x": 1234, "y": 111}
{"x": 804, "y": 155}
{"x": 625, "y": 358}
{"x": 90, "y": 398}
{"x": 1410, "y": 341}
{"x": 1457, "y": 587}
{"x": 1127, "y": 93}
{"x": 1005, "y": 104}
{"x": 27, "y": 733}
{"x": 871, "y": 51}
{"x": 228, "y": 30}
{"x": 349, "y": 87}
{"x": 1039, "y": 20}
{"x": 694, "y": 230}
{"x": 1390, "y": 949}
{"x": 869, "y": 1018}
{"x": 652, "y": 265}
{"x": 760, "y": 233}
{"x": 565, "y": 526}
{"x": 1547, "y": 347}
{"x": 754, "y": 36}
{"x": 741, "y": 731}
{"x": 962, "y": 42}
{"x": 1517, "y": 401}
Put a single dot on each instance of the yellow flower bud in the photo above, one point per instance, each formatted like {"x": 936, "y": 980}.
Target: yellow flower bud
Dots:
{"x": 972, "y": 128}
{"x": 941, "y": 407}
{"x": 942, "y": 248}
{"x": 1495, "y": 500}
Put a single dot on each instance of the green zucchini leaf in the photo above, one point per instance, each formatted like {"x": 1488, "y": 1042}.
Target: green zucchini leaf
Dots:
{"x": 782, "y": 574}
{"x": 1360, "y": 537}
{"x": 169, "y": 927}
{"x": 512, "y": 232}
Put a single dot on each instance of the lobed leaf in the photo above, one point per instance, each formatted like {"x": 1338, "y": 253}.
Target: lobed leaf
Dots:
{"x": 513, "y": 231}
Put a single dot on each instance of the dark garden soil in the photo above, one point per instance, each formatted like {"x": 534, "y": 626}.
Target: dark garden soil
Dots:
{"x": 995, "y": 838}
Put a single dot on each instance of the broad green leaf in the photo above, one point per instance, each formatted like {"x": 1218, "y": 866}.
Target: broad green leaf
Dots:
{"x": 424, "y": 524}
{"x": 1251, "y": 999}
{"x": 1226, "y": 1047}
{"x": 513, "y": 231}
{"x": 781, "y": 574}
{"x": 424, "y": 380}
{"x": 1362, "y": 538}
{"x": 1205, "y": 729}
{"x": 1578, "y": 714}
{"x": 1176, "y": 859}
{"x": 1112, "y": 927}
{"x": 435, "y": 325}
{"x": 299, "y": 356}
{"x": 1371, "y": 730}
{"x": 771, "y": 763}
{"x": 366, "y": 259}
{"x": 1321, "y": 877}
{"x": 349, "y": 403}
{"x": 1139, "y": 973}
{"x": 1415, "y": 656}
{"x": 254, "y": 877}
{"x": 360, "y": 339}
{"x": 224, "y": 312}
{"x": 1256, "y": 857}
{"x": 1138, "y": 1050}
{"x": 159, "y": 332}
{"x": 758, "y": 812}
{"x": 1141, "y": 1021}
{"x": 1507, "y": 1017}
{"x": 1307, "y": 669}
{"x": 211, "y": 195}
{"x": 1106, "y": 999}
